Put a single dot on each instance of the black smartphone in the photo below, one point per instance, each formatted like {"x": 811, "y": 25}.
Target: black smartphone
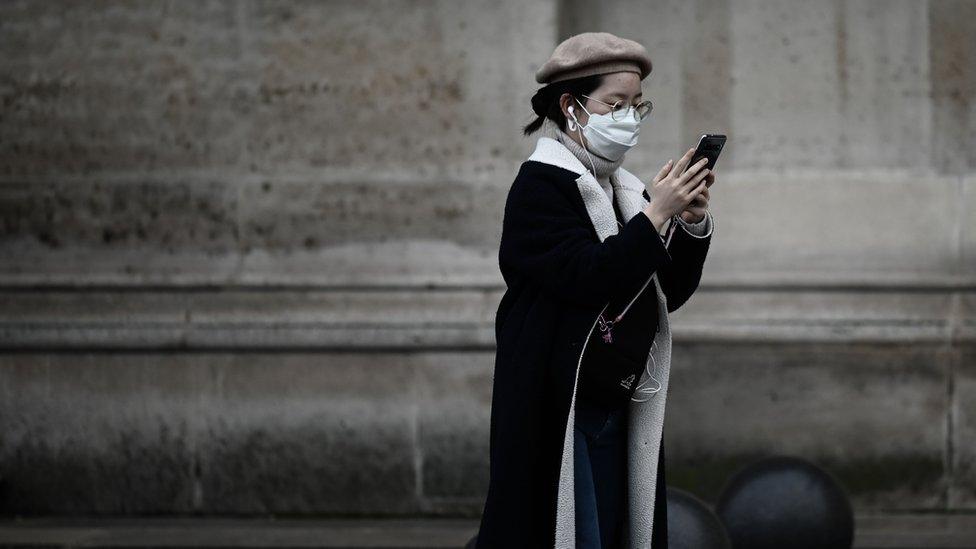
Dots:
{"x": 709, "y": 146}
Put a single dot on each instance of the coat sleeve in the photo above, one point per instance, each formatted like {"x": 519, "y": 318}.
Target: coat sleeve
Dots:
{"x": 548, "y": 242}
{"x": 679, "y": 279}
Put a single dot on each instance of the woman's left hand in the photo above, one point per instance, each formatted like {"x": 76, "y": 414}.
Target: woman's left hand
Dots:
{"x": 696, "y": 209}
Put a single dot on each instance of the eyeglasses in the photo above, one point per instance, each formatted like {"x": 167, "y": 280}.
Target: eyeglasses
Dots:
{"x": 620, "y": 111}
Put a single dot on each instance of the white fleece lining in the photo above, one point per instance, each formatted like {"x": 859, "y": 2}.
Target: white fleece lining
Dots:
{"x": 704, "y": 226}
{"x": 646, "y": 419}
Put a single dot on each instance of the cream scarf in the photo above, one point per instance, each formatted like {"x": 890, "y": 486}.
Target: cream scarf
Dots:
{"x": 601, "y": 167}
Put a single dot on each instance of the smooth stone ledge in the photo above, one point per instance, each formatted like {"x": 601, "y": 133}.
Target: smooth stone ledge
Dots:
{"x": 445, "y": 319}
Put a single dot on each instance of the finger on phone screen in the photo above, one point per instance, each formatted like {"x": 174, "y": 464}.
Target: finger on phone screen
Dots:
{"x": 697, "y": 167}
{"x": 697, "y": 176}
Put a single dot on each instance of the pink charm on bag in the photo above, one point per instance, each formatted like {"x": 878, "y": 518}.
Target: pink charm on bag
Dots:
{"x": 605, "y": 326}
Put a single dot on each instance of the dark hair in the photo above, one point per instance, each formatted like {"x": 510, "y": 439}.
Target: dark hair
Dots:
{"x": 545, "y": 102}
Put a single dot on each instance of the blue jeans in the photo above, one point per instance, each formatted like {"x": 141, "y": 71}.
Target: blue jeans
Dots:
{"x": 600, "y": 457}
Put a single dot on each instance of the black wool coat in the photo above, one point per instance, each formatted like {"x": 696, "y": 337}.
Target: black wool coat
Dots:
{"x": 561, "y": 256}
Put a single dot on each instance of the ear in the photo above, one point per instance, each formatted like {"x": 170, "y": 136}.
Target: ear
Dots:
{"x": 565, "y": 102}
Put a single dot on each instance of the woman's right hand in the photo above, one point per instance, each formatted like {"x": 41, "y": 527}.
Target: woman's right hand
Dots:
{"x": 673, "y": 190}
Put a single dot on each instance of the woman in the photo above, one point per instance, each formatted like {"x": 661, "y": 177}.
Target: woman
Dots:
{"x": 583, "y": 340}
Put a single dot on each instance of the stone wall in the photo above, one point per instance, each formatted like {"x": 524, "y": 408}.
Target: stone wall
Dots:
{"x": 249, "y": 248}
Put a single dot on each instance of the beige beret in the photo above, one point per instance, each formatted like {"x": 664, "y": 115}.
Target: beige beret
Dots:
{"x": 592, "y": 53}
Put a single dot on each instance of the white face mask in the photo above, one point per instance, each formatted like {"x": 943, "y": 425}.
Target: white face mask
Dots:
{"x": 607, "y": 137}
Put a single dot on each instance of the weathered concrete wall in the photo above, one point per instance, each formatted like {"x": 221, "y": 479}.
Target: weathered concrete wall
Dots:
{"x": 249, "y": 248}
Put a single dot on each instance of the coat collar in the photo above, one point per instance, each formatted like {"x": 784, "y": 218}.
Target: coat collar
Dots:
{"x": 627, "y": 188}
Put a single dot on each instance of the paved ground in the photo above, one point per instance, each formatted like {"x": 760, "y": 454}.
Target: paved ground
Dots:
{"x": 888, "y": 531}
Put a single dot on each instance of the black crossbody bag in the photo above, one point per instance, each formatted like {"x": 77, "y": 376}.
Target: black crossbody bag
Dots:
{"x": 609, "y": 376}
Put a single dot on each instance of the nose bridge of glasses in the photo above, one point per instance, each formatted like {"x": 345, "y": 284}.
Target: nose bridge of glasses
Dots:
{"x": 640, "y": 110}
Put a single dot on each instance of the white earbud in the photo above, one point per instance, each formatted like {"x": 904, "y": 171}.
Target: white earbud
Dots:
{"x": 574, "y": 125}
